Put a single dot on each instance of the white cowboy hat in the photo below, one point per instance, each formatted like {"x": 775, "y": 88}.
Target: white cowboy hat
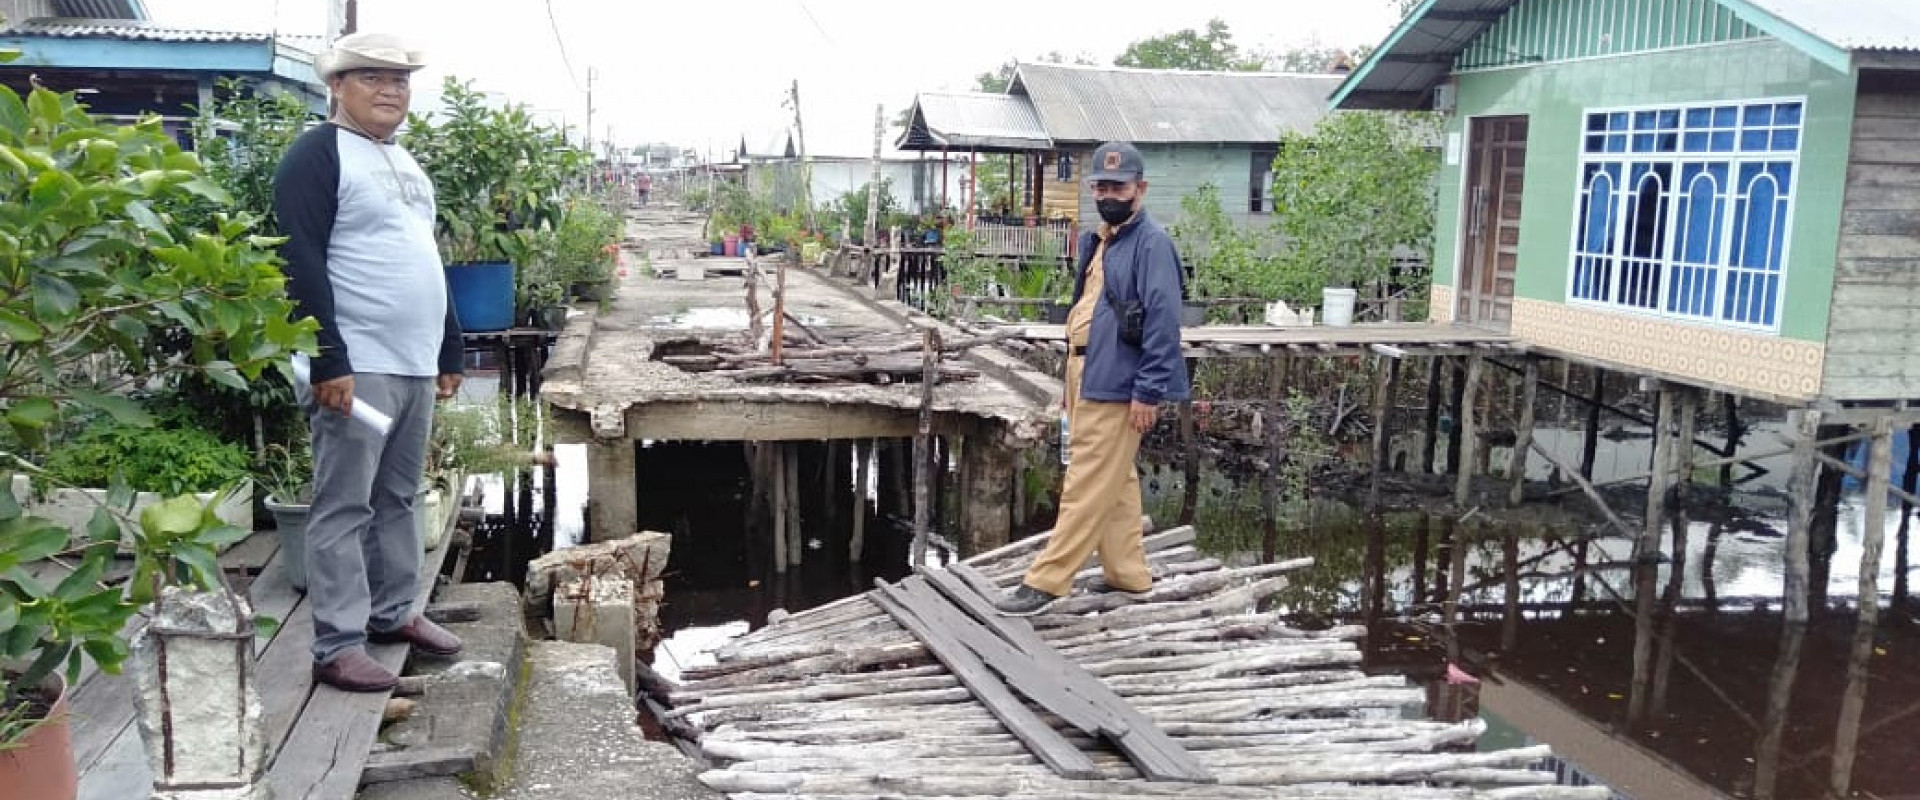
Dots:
{"x": 368, "y": 51}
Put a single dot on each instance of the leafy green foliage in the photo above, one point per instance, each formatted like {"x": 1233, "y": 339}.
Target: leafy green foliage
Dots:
{"x": 1353, "y": 191}
{"x": 285, "y": 473}
{"x": 166, "y": 460}
{"x": 242, "y": 137}
{"x": 48, "y": 628}
{"x": 105, "y": 239}
{"x": 1232, "y": 260}
{"x": 851, "y": 209}
{"x": 475, "y": 439}
{"x": 494, "y": 171}
{"x": 1190, "y": 49}
{"x": 91, "y": 262}
{"x": 179, "y": 544}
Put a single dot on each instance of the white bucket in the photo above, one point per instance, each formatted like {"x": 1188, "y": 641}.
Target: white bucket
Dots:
{"x": 1336, "y": 305}
{"x": 689, "y": 270}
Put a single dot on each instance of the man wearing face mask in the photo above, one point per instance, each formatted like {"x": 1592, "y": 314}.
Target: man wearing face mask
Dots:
{"x": 1123, "y": 337}
{"x": 358, "y": 213}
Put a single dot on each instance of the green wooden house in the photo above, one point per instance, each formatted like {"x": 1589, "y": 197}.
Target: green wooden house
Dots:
{"x": 1724, "y": 193}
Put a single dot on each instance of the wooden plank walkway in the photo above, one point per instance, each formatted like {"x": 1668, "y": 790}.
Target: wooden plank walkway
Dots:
{"x": 1398, "y": 338}
{"x": 845, "y": 701}
{"x": 318, "y": 737}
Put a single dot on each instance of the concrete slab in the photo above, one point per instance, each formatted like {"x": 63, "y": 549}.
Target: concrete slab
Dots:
{"x": 466, "y": 702}
{"x": 578, "y": 741}
{"x": 602, "y": 372}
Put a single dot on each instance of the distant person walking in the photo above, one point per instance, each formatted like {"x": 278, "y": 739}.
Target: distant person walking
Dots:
{"x": 358, "y": 214}
{"x": 643, "y": 187}
{"x": 1123, "y": 337}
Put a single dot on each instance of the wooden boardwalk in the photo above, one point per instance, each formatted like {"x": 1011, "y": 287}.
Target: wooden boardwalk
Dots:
{"x": 318, "y": 737}
{"x": 1247, "y": 341}
{"x": 845, "y": 702}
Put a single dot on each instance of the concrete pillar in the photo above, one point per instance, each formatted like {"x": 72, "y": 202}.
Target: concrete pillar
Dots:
{"x": 197, "y": 708}
{"x": 986, "y": 510}
{"x": 598, "y": 610}
{"x": 613, "y": 498}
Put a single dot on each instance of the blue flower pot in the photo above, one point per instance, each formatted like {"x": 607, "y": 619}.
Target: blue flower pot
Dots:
{"x": 482, "y": 295}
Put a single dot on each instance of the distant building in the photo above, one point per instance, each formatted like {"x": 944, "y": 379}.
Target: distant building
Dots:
{"x": 1193, "y": 128}
{"x": 123, "y": 65}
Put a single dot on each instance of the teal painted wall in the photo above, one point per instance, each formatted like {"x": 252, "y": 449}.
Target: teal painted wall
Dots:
{"x": 1562, "y": 30}
{"x": 1556, "y": 96}
{"x": 1175, "y": 171}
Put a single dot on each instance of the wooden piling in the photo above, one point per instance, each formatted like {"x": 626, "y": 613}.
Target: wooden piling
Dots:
{"x": 1773, "y": 726}
{"x": 1457, "y": 400}
{"x": 1523, "y": 432}
{"x": 776, "y": 472}
{"x": 1590, "y": 447}
{"x": 1387, "y": 371}
{"x": 923, "y": 446}
{"x": 796, "y": 528}
{"x": 1909, "y": 481}
{"x": 1430, "y": 434}
{"x": 862, "y": 473}
{"x": 1805, "y": 424}
{"x": 1853, "y": 700}
{"x": 1466, "y": 430}
{"x": 1646, "y": 557}
{"x": 1190, "y": 446}
{"x": 1279, "y": 372}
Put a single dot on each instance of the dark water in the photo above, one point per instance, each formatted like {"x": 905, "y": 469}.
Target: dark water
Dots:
{"x": 1727, "y": 701}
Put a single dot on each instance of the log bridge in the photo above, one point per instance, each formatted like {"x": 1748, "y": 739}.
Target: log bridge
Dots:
{"x": 918, "y": 689}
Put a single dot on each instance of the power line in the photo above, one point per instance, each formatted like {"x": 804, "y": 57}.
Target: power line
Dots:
{"x": 816, "y": 23}
{"x": 560, "y": 42}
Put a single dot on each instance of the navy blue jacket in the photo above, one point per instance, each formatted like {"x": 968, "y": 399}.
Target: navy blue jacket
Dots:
{"x": 1140, "y": 264}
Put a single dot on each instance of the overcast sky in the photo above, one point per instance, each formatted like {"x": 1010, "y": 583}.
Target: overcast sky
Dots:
{"x": 702, "y": 73}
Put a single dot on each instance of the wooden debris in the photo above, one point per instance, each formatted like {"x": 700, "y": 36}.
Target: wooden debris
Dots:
{"x": 849, "y": 702}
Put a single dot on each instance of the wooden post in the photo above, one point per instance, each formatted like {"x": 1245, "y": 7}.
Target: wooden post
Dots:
{"x": 1510, "y": 568}
{"x": 1647, "y": 548}
{"x": 1278, "y": 374}
{"x": 1523, "y": 433}
{"x": 862, "y": 473}
{"x": 1800, "y": 490}
{"x": 1468, "y": 432}
{"x": 806, "y": 162}
{"x": 873, "y": 177}
{"x": 1190, "y": 444}
{"x": 1773, "y": 726}
{"x": 1853, "y": 700}
{"x": 796, "y": 529}
{"x": 1646, "y": 558}
{"x": 923, "y": 446}
{"x": 1730, "y": 408}
{"x": 1456, "y": 401}
{"x": 779, "y": 306}
{"x": 1387, "y": 370}
{"x": 1909, "y": 480}
{"x": 1430, "y": 435}
{"x": 1591, "y": 447}
{"x": 776, "y": 473}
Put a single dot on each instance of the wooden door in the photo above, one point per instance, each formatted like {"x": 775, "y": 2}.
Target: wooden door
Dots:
{"x": 1496, "y": 174}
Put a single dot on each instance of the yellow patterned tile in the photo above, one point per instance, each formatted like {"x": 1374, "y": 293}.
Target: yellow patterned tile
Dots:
{"x": 1786, "y": 368}
{"x": 1440, "y": 304}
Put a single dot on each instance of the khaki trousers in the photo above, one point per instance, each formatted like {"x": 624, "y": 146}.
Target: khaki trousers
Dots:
{"x": 1100, "y": 501}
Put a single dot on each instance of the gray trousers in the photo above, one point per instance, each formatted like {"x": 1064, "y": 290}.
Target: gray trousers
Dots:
{"x": 363, "y": 555}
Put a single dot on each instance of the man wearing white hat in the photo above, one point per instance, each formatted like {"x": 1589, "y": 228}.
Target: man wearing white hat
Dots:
{"x": 358, "y": 213}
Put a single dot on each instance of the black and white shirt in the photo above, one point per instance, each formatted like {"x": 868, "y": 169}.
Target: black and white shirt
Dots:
{"x": 358, "y": 216}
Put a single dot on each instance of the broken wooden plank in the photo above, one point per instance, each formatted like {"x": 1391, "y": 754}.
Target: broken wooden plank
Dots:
{"x": 431, "y": 761}
{"x": 1040, "y": 738}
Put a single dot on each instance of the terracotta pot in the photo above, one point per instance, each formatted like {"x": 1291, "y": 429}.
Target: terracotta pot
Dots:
{"x": 42, "y": 765}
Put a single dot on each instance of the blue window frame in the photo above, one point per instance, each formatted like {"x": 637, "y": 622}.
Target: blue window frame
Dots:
{"x": 1683, "y": 211}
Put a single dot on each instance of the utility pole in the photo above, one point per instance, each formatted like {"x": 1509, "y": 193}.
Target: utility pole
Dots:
{"x": 592, "y": 171}
{"x": 873, "y": 179}
{"x": 343, "y": 17}
{"x": 806, "y": 162}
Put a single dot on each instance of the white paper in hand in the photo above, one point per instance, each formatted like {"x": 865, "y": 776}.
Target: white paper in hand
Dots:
{"x": 363, "y": 411}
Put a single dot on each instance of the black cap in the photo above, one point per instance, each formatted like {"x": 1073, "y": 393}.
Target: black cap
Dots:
{"x": 1117, "y": 161}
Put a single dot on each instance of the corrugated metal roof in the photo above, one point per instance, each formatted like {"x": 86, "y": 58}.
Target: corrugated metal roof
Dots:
{"x": 1418, "y": 55}
{"x": 126, "y": 29}
{"x": 1852, "y": 24}
{"x": 102, "y": 9}
{"x": 973, "y": 121}
{"x": 1098, "y": 104}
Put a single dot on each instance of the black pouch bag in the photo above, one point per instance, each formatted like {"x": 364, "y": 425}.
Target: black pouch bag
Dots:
{"x": 1130, "y": 314}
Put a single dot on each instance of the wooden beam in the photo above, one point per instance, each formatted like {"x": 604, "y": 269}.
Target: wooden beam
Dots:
{"x": 1387, "y": 372}
{"x": 1469, "y": 431}
{"x": 723, "y": 420}
{"x": 1800, "y": 497}
{"x": 1040, "y": 738}
{"x": 1854, "y": 699}
{"x": 1517, "y": 468}
{"x": 923, "y": 444}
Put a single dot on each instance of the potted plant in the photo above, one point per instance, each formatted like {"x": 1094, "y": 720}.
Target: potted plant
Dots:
{"x": 586, "y": 249}
{"x": 495, "y": 172}
{"x": 286, "y": 475}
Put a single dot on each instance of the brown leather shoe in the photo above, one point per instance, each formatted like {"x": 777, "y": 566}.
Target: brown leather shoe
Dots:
{"x": 355, "y": 671}
{"x": 420, "y": 632}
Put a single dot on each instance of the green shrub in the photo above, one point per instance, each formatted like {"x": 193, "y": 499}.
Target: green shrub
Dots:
{"x": 166, "y": 460}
